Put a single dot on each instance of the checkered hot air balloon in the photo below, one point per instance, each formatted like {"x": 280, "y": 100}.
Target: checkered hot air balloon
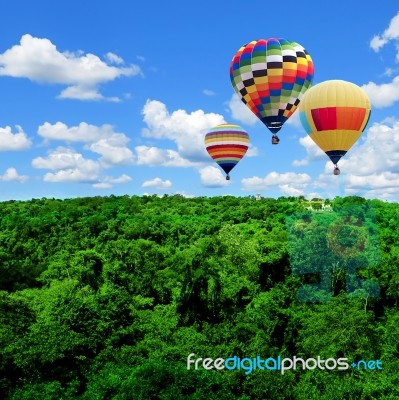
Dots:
{"x": 227, "y": 145}
{"x": 270, "y": 76}
{"x": 334, "y": 114}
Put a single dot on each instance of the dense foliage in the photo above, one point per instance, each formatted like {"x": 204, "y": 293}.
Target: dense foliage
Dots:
{"x": 105, "y": 297}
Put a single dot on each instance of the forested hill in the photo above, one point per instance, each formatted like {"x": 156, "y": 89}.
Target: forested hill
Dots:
{"x": 105, "y": 297}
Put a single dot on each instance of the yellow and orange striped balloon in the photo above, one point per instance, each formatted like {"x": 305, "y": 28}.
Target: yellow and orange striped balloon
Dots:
{"x": 334, "y": 114}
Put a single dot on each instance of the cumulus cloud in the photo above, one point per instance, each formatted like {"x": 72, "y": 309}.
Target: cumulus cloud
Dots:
{"x": 383, "y": 95}
{"x": 10, "y": 141}
{"x": 72, "y": 166}
{"x": 102, "y": 185}
{"x": 11, "y": 174}
{"x": 39, "y": 60}
{"x": 121, "y": 179}
{"x": 71, "y": 175}
{"x": 289, "y": 183}
{"x": 113, "y": 150}
{"x": 390, "y": 34}
{"x": 378, "y": 152}
{"x": 212, "y": 177}
{"x": 69, "y": 166}
{"x": 61, "y": 158}
{"x": 108, "y": 182}
{"x": 312, "y": 151}
{"x": 327, "y": 185}
{"x": 83, "y": 92}
{"x": 240, "y": 112}
{"x": 154, "y": 156}
{"x": 158, "y": 183}
{"x": 101, "y": 139}
{"x": 187, "y": 130}
{"x": 84, "y": 132}
{"x": 370, "y": 169}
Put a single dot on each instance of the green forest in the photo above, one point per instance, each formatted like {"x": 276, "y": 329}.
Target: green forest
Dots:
{"x": 106, "y": 297}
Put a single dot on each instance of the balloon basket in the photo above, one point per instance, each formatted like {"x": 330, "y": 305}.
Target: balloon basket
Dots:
{"x": 275, "y": 140}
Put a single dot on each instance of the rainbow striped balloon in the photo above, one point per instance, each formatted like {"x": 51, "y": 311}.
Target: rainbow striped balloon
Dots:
{"x": 270, "y": 77}
{"x": 227, "y": 145}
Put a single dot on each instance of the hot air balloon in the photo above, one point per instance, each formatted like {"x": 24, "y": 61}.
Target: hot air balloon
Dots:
{"x": 227, "y": 145}
{"x": 270, "y": 76}
{"x": 334, "y": 114}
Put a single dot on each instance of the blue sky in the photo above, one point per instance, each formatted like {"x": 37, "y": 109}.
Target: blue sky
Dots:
{"x": 115, "y": 97}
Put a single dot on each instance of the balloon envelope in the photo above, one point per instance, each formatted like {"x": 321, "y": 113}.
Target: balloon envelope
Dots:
{"x": 227, "y": 145}
{"x": 334, "y": 114}
{"x": 270, "y": 76}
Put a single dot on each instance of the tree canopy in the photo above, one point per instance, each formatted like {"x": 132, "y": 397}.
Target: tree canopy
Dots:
{"x": 105, "y": 297}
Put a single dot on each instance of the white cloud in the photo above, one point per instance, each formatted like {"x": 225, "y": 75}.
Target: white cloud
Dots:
{"x": 154, "y": 156}
{"x": 40, "y": 61}
{"x": 72, "y": 166}
{"x": 113, "y": 58}
{"x": 208, "y": 92}
{"x": 252, "y": 151}
{"x": 102, "y": 185}
{"x": 72, "y": 175}
{"x": 11, "y": 174}
{"x": 391, "y": 33}
{"x": 10, "y": 141}
{"x": 312, "y": 152}
{"x": 289, "y": 190}
{"x": 113, "y": 150}
{"x": 84, "y": 132}
{"x": 288, "y": 183}
{"x": 108, "y": 182}
{"x": 390, "y": 71}
{"x": 371, "y": 168}
{"x": 83, "y": 92}
{"x": 186, "y": 130}
{"x": 102, "y": 140}
{"x": 328, "y": 185}
{"x": 121, "y": 179}
{"x": 240, "y": 112}
{"x": 158, "y": 183}
{"x": 212, "y": 177}
{"x": 69, "y": 166}
{"x": 378, "y": 152}
{"x": 64, "y": 158}
{"x": 383, "y": 95}
{"x": 377, "y": 42}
